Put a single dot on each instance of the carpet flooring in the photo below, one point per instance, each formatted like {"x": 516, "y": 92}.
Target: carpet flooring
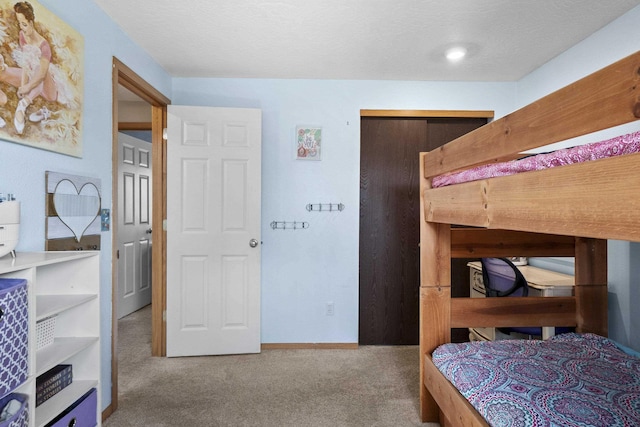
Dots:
{"x": 370, "y": 386}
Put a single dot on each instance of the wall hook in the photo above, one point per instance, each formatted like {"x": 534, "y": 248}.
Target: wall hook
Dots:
{"x": 289, "y": 225}
{"x": 325, "y": 207}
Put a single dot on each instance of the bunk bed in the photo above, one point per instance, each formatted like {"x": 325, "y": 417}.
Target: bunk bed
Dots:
{"x": 563, "y": 211}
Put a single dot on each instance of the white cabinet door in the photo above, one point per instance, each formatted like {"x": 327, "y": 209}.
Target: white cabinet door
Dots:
{"x": 213, "y": 230}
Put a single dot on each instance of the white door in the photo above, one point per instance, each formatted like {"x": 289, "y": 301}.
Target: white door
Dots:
{"x": 213, "y": 230}
{"x": 134, "y": 224}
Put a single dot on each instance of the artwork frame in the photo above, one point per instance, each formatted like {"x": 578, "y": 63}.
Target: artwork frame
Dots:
{"x": 73, "y": 212}
{"x": 47, "y": 115}
{"x": 308, "y": 142}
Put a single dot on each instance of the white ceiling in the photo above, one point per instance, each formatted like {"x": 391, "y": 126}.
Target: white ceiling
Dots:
{"x": 359, "y": 39}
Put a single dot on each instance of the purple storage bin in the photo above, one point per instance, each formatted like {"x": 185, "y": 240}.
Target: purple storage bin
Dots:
{"x": 20, "y": 418}
{"x": 14, "y": 334}
{"x": 81, "y": 414}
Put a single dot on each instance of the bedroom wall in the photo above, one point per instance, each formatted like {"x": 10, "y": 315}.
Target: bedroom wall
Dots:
{"x": 22, "y": 169}
{"x": 303, "y": 270}
{"x": 611, "y": 43}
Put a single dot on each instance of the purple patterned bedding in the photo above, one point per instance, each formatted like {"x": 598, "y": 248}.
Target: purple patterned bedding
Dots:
{"x": 567, "y": 380}
{"x": 623, "y": 144}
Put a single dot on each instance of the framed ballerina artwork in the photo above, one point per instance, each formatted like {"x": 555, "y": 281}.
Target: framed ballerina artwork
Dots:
{"x": 41, "y": 79}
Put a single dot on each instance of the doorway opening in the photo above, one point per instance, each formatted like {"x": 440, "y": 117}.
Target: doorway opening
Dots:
{"x": 134, "y": 203}
{"x": 125, "y": 78}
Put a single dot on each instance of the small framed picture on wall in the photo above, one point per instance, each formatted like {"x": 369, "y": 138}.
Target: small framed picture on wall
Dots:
{"x": 308, "y": 143}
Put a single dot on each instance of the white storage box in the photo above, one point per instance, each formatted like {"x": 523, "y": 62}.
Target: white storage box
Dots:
{"x": 9, "y": 226}
{"x": 45, "y": 332}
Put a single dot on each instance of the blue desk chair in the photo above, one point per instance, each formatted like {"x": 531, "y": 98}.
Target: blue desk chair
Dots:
{"x": 503, "y": 279}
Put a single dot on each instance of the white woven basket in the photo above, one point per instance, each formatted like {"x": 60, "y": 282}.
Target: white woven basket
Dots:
{"x": 45, "y": 332}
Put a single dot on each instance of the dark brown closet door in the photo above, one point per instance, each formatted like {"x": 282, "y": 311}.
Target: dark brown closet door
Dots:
{"x": 389, "y": 224}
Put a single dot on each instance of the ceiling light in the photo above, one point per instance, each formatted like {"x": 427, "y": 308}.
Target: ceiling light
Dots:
{"x": 455, "y": 53}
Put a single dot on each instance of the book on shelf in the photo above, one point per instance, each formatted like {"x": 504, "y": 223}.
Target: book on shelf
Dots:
{"x": 52, "y": 382}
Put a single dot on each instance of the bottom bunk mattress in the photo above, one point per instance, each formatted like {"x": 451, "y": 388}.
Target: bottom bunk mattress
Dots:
{"x": 567, "y": 380}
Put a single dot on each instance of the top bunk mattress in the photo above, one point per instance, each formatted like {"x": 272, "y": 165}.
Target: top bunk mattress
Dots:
{"x": 568, "y": 380}
{"x": 620, "y": 145}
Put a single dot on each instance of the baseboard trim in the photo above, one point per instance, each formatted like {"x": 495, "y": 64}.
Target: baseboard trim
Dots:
{"x": 108, "y": 411}
{"x": 308, "y": 346}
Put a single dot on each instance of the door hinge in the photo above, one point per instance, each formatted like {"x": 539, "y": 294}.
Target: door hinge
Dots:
{"x": 164, "y": 133}
{"x": 164, "y": 225}
{"x": 164, "y": 315}
{"x": 118, "y": 254}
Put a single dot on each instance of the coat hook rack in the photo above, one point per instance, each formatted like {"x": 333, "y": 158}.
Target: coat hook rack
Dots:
{"x": 325, "y": 207}
{"x": 289, "y": 225}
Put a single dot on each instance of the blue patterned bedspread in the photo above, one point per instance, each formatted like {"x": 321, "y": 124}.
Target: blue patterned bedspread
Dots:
{"x": 568, "y": 380}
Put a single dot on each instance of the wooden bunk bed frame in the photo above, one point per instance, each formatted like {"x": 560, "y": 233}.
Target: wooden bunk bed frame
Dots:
{"x": 564, "y": 211}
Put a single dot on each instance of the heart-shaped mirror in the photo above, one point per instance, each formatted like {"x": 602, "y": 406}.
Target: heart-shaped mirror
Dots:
{"x": 77, "y": 209}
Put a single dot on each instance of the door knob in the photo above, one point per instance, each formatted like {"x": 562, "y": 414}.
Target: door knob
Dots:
{"x": 149, "y": 231}
{"x": 253, "y": 243}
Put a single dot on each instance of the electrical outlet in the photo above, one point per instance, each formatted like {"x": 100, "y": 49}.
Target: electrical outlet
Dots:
{"x": 330, "y": 309}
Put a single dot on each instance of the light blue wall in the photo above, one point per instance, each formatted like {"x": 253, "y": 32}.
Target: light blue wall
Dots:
{"x": 22, "y": 168}
{"x": 604, "y": 47}
{"x": 303, "y": 270}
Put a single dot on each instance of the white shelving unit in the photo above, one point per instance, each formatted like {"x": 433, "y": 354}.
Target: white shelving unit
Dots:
{"x": 67, "y": 285}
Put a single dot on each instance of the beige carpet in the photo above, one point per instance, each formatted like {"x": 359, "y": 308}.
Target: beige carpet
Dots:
{"x": 371, "y": 386}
